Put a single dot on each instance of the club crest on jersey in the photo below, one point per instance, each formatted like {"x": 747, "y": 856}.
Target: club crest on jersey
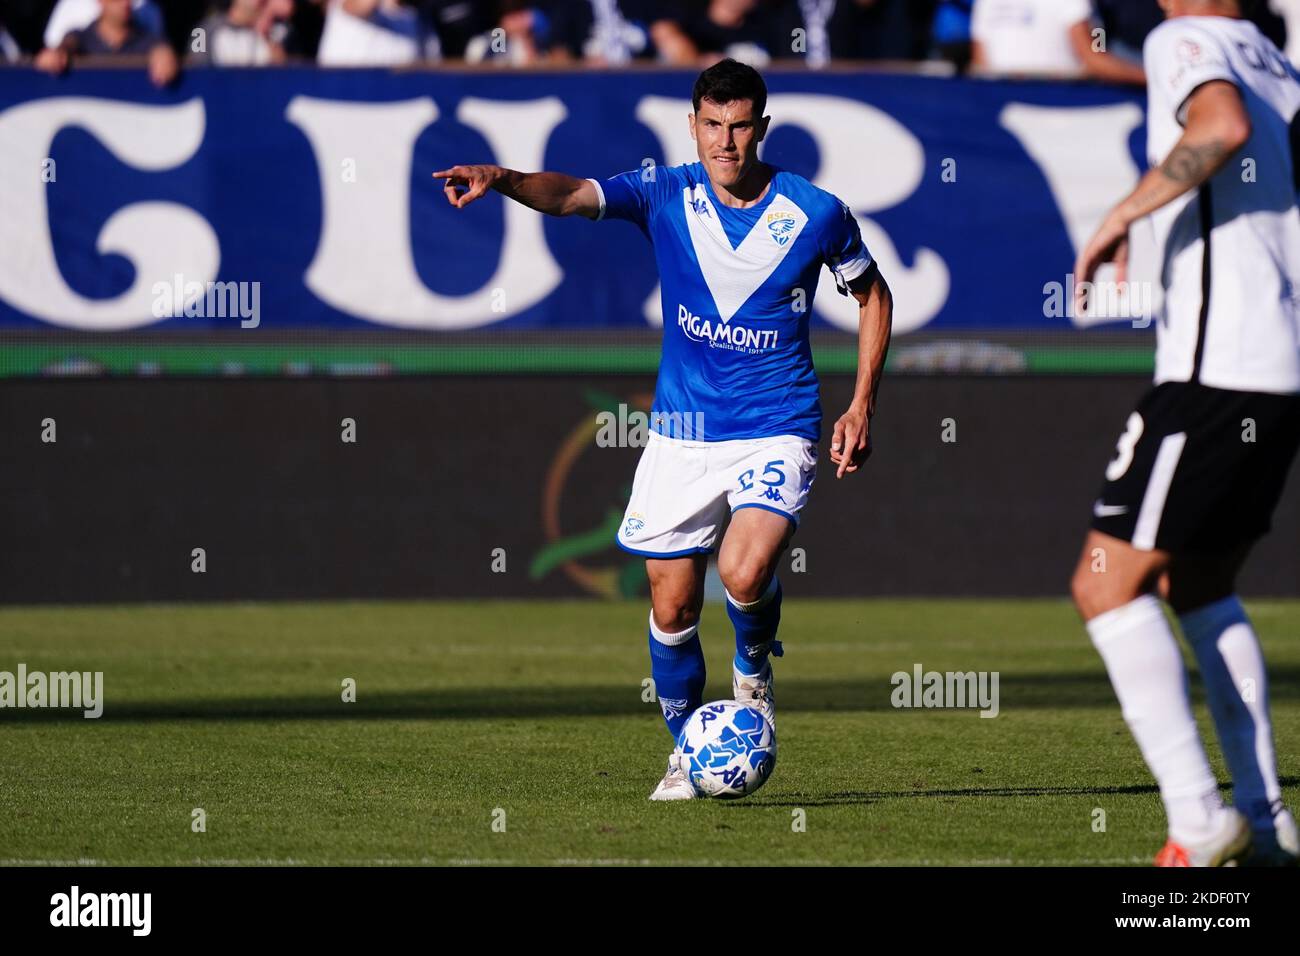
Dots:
{"x": 780, "y": 225}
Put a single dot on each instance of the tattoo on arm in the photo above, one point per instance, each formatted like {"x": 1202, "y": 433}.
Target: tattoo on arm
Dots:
{"x": 1193, "y": 164}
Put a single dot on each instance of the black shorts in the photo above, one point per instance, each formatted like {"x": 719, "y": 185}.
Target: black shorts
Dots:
{"x": 1199, "y": 469}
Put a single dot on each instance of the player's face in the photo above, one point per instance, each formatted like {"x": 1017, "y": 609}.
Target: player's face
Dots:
{"x": 727, "y": 136}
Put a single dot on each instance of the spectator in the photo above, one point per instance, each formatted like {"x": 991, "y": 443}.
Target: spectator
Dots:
{"x": 247, "y": 33}
{"x": 69, "y": 15}
{"x": 457, "y": 22}
{"x": 510, "y": 33}
{"x": 950, "y": 33}
{"x": 306, "y": 24}
{"x": 376, "y": 33}
{"x": 740, "y": 29}
{"x": 1127, "y": 23}
{"x": 115, "y": 33}
{"x": 852, "y": 29}
{"x": 615, "y": 32}
{"x": 1043, "y": 37}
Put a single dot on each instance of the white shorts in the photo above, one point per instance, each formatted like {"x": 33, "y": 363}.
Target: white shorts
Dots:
{"x": 685, "y": 491}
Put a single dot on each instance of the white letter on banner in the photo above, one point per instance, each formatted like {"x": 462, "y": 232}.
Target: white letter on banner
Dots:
{"x": 1084, "y": 156}
{"x": 364, "y": 265}
{"x": 869, "y": 160}
{"x": 159, "y": 239}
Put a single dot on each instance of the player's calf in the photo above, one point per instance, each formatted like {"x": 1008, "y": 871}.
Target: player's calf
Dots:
{"x": 747, "y": 566}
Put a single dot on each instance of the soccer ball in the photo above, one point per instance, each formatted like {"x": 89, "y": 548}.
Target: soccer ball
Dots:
{"x": 728, "y": 750}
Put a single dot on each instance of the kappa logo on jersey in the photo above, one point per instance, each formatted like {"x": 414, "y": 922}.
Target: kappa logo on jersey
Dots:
{"x": 725, "y": 335}
{"x": 700, "y": 205}
{"x": 635, "y": 522}
{"x": 781, "y": 225}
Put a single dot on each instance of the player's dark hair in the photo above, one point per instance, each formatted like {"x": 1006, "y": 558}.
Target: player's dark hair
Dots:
{"x": 727, "y": 81}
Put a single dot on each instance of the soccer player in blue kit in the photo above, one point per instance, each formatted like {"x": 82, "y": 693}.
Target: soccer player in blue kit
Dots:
{"x": 736, "y": 418}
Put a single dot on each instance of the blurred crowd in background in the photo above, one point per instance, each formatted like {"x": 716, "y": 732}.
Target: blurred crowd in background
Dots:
{"x": 1095, "y": 38}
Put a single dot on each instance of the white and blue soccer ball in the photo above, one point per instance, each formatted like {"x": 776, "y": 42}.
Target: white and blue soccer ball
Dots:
{"x": 728, "y": 750}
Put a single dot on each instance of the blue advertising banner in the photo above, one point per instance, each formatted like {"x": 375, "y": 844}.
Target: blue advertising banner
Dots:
{"x": 300, "y": 198}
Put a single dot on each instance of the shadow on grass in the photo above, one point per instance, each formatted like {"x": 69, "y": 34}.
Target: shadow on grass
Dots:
{"x": 851, "y": 797}
{"x": 1016, "y": 693}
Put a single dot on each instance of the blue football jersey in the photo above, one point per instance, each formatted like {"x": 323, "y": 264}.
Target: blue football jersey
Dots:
{"x": 737, "y": 290}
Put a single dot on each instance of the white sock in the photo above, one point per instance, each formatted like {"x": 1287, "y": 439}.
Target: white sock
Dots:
{"x": 1146, "y": 670}
{"x": 1232, "y": 667}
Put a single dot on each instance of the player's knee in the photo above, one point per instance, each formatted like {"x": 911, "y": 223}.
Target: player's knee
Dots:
{"x": 1096, "y": 590}
{"x": 746, "y": 581}
{"x": 1089, "y": 589}
{"x": 673, "y": 616}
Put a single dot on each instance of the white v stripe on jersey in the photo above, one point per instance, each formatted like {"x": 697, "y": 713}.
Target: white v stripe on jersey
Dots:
{"x": 734, "y": 274}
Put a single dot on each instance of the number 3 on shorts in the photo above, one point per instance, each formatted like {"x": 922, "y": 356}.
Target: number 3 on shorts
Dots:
{"x": 1124, "y": 448}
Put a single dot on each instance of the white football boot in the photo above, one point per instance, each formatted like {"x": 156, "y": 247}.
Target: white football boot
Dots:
{"x": 755, "y": 691}
{"x": 1279, "y": 846}
{"x": 1224, "y": 847}
{"x": 675, "y": 785}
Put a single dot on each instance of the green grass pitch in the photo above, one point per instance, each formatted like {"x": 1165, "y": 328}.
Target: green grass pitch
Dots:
{"x": 465, "y": 709}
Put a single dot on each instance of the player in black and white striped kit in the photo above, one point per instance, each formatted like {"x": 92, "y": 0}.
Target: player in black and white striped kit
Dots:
{"x": 1203, "y": 460}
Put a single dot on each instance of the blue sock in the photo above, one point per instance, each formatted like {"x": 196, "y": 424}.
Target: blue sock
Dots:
{"x": 756, "y": 626}
{"x": 678, "y": 672}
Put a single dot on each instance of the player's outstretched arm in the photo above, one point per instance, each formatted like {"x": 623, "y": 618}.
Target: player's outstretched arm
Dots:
{"x": 1217, "y": 126}
{"x": 851, "y": 443}
{"x": 555, "y": 194}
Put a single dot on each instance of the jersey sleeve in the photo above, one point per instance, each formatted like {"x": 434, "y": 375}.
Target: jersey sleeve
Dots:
{"x": 635, "y": 195}
{"x": 1178, "y": 59}
{"x": 842, "y": 246}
